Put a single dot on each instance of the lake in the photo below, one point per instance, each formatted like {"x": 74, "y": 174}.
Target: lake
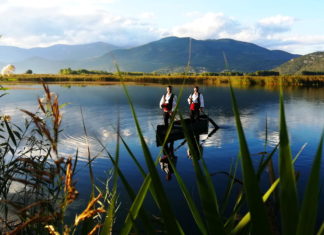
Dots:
{"x": 102, "y": 105}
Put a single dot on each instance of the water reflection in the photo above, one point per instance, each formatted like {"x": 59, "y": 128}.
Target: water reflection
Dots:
{"x": 168, "y": 159}
{"x": 101, "y": 105}
{"x": 195, "y": 129}
{"x": 304, "y": 110}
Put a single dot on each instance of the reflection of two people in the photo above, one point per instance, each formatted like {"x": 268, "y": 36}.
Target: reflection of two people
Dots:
{"x": 168, "y": 155}
{"x": 197, "y": 147}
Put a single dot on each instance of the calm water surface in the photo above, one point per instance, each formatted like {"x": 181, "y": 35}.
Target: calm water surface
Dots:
{"x": 102, "y": 104}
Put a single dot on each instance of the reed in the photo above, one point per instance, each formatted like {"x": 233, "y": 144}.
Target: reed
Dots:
{"x": 243, "y": 80}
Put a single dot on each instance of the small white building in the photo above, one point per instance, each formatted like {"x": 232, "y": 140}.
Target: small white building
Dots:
{"x": 8, "y": 69}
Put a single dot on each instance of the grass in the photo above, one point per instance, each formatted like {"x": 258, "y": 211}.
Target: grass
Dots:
{"x": 29, "y": 155}
{"x": 288, "y": 80}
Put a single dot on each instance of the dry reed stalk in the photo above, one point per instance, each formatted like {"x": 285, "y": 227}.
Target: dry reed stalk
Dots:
{"x": 51, "y": 230}
{"x": 69, "y": 188}
{"x": 89, "y": 212}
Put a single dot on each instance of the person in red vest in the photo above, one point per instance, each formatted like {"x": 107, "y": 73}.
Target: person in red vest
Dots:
{"x": 196, "y": 104}
{"x": 167, "y": 104}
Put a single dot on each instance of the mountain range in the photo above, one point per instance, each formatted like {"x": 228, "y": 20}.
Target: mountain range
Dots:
{"x": 165, "y": 55}
{"x": 51, "y": 59}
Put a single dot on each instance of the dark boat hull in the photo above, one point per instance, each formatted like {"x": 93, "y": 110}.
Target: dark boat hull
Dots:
{"x": 197, "y": 127}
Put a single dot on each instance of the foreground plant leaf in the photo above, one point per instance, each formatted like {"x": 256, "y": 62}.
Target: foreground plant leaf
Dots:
{"x": 259, "y": 218}
{"x": 308, "y": 213}
{"x": 287, "y": 192}
{"x": 205, "y": 188}
{"x": 171, "y": 223}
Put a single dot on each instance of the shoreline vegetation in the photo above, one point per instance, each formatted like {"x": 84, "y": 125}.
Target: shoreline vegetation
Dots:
{"x": 243, "y": 80}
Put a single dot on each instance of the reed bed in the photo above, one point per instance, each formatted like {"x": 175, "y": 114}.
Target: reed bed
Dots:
{"x": 287, "y": 80}
{"x": 30, "y": 156}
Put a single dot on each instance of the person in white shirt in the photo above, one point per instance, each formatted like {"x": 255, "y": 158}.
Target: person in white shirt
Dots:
{"x": 196, "y": 104}
{"x": 167, "y": 104}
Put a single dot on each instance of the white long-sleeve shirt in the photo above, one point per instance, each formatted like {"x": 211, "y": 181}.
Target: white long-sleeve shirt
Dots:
{"x": 195, "y": 99}
{"x": 167, "y": 98}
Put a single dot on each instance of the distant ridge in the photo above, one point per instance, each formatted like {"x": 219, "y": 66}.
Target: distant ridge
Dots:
{"x": 165, "y": 55}
{"x": 206, "y": 55}
{"x": 313, "y": 62}
{"x": 12, "y": 54}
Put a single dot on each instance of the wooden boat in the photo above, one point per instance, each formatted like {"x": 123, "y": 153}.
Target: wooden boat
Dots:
{"x": 197, "y": 127}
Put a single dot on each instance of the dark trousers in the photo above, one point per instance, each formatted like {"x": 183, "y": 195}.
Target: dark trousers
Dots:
{"x": 166, "y": 117}
{"x": 168, "y": 149}
{"x": 194, "y": 114}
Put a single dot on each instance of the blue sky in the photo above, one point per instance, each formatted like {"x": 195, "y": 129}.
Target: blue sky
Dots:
{"x": 294, "y": 26}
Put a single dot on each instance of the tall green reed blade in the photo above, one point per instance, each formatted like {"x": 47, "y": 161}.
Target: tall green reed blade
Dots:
{"x": 136, "y": 206}
{"x": 321, "y": 230}
{"x": 265, "y": 142}
{"x": 88, "y": 223}
{"x": 148, "y": 226}
{"x": 190, "y": 202}
{"x": 110, "y": 215}
{"x": 138, "y": 202}
{"x": 266, "y": 162}
{"x": 259, "y": 218}
{"x": 139, "y": 167}
{"x": 11, "y": 135}
{"x": 246, "y": 219}
{"x": 307, "y": 217}
{"x": 171, "y": 224}
{"x": 287, "y": 192}
{"x": 229, "y": 187}
{"x": 89, "y": 155}
{"x": 133, "y": 157}
{"x": 205, "y": 189}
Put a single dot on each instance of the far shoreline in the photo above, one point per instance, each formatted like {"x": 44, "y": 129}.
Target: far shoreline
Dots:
{"x": 114, "y": 79}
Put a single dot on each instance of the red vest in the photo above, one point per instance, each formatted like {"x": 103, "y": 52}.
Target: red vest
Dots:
{"x": 167, "y": 107}
{"x": 195, "y": 106}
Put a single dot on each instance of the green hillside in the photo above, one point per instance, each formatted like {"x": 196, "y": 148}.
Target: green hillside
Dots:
{"x": 313, "y": 62}
{"x": 170, "y": 54}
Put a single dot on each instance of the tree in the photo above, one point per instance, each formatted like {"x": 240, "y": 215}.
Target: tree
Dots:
{"x": 29, "y": 71}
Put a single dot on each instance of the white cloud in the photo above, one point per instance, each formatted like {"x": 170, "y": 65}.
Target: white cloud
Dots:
{"x": 298, "y": 44}
{"x": 271, "y": 32}
{"x": 276, "y": 24}
{"x": 277, "y": 20}
{"x": 147, "y": 15}
{"x": 207, "y": 26}
{"x": 43, "y": 23}
{"x": 47, "y": 26}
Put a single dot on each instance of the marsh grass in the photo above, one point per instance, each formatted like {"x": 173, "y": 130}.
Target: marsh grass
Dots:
{"x": 245, "y": 80}
{"x": 30, "y": 156}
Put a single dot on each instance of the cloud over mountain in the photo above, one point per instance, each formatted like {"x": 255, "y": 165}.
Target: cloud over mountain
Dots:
{"x": 43, "y": 23}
